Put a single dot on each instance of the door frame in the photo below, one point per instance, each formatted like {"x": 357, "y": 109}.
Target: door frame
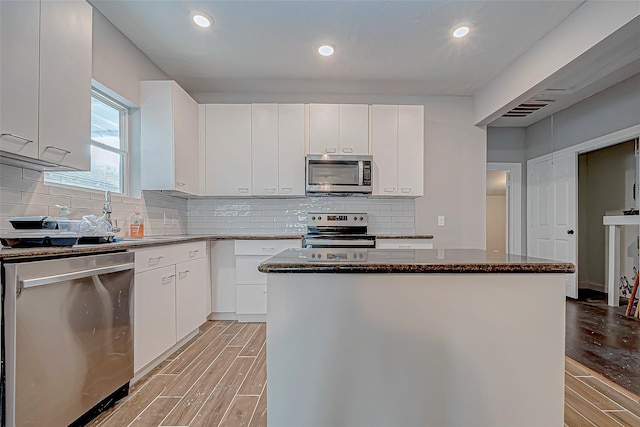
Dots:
{"x": 584, "y": 147}
{"x": 514, "y": 204}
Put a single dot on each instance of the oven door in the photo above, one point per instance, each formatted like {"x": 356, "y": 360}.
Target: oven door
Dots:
{"x": 338, "y": 174}
{"x": 331, "y": 241}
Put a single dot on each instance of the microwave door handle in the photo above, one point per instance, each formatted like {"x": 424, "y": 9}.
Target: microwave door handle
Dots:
{"x": 360, "y": 172}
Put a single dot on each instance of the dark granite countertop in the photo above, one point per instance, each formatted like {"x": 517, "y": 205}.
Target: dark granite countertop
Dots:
{"x": 407, "y": 261}
{"x": 405, "y": 236}
{"x": 149, "y": 241}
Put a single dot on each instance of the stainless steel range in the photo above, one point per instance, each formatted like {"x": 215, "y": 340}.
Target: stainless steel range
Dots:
{"x": 337, "y": 230}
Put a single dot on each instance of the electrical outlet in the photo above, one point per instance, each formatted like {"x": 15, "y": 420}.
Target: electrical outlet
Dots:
{"x": 440, "y": 220}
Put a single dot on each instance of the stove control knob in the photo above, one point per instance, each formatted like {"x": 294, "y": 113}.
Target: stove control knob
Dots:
{"x": 355, "y": 218}
{"x": 319, "y": 256}
{"x": 313, "y": 255}
{"x": 313, "y": 218}
{"x": 361, "y": 219}
{"x": 319, "y": 218}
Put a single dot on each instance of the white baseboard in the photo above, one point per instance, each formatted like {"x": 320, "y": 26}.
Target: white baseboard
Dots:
{"x": 222, "y": 316}
{"x": 600, "y": 287}
{"x": 155, "y": 362}
{"x": 252, "y": 317}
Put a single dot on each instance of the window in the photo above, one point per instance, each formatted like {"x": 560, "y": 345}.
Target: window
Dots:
{"x": 108, "y": 149}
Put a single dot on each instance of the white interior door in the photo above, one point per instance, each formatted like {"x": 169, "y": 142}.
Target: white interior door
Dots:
{"x": 552, "y": 212}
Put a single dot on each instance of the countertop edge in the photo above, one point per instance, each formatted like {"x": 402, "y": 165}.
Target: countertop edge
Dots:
{"x": 538, "y": 268}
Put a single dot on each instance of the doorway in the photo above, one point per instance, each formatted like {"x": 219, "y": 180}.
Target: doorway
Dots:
{"x": 504, "y": 207}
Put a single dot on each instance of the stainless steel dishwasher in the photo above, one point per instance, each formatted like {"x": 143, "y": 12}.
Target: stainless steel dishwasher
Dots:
{"x": 68, "y": 337}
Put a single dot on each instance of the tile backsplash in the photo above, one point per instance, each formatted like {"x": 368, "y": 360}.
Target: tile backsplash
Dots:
{"x": 23, "y": 192}
{"x": 289, "y": 216}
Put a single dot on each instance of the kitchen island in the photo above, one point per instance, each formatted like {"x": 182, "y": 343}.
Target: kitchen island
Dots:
{"x": 414, "y": 338}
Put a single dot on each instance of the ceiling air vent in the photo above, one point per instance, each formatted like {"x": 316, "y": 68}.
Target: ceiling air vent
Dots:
{"x": 528, "y": 107}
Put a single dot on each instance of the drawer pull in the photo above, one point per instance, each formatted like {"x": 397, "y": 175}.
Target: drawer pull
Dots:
{"x": 270, "y": 190}
{"x": 405, "y": 190}
{"x": 268, "y": 249}
{"x": 330, "y": 150}
{"x": 168, "y": 279}
{"x": 347, "y": 150}
{"x": 286, "y": 189}
{"x": 193, "y": 253}
{"x": 180, "y": 184}
{"x": 243, "y": 189}
{"x": 22, "y": 138}
{"x": 404, "y": 246}
{"x": 183, "y": 274}
{"x": 389, "y": 189}
{"x": 51, "y": 147}
{"x": 153, "y": 261}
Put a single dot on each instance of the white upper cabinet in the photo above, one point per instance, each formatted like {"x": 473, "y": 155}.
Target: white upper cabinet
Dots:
{"x": 411, "y": 150}
{"x": 397, "y": 146}
{"x": 291, "y": 167}
{"x": 264, "y": 149}
{"x": 19, "y": 55}
{"x": 384, "y": 148}
{"x": 228, "y": 149}
{"x": 170, "y": 140}
{"x": 277, "y": 149}
{"x": 338, "y": 129}
{"x": 46, "y": 81}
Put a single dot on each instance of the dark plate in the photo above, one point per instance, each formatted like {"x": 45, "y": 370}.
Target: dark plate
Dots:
{"x": 34, "y": 223}
{"x": 95, "y": 240}
{"x": 630, "y": 212}
{"x": 33, "y": 242}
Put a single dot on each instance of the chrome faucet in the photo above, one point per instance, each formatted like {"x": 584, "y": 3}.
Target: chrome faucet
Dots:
{"x": 106, "y": 210}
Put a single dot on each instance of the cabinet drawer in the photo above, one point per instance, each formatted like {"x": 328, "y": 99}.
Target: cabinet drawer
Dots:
{"x": 264, "y": 247}
{"x": 188, "y": 251}
{"x": 152, "y": 258}
{"x": 247, "y": 270}
{"x": 251, "y": 299}
{"x": 404, "y": 244}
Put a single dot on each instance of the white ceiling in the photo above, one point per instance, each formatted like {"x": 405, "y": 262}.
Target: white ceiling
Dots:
{"x": 382, "y": 47}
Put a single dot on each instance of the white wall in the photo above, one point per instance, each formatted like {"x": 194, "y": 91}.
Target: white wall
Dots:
{"x": 117, "y": 63}
{"x": 496, "y": 223}
{"x": 454, "y": 158}
{"x": 611, "y": 110}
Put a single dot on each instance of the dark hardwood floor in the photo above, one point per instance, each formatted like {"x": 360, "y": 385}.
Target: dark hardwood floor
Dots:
{"x": 603, "y": 339}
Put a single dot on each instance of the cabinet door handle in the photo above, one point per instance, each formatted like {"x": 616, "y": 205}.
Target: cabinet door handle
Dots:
{"x": 347, "y": 150}
{"x": 405, "y": 190}
{"x": 243, "y": 189}
{"x": 270, "y": 190}
{"x": 22, "y": 138}
{"x": 193, "y": 253}
{"x": 286, "y": 189}
{"x": 180, "y": 184}
{"x": 51, "y": 147}
{"x": 268, "y": 249}
{"x": 155, "y": 260}
{"x": 168, "y": 279}
{"x": 389, "y": 189}
{"x": 404, "y": 246}
{"x": 330, "y": 150}
{"x": 183, "y": 274}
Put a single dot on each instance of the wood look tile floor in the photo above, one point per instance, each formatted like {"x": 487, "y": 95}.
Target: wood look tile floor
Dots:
{"x": 219, "y": 378}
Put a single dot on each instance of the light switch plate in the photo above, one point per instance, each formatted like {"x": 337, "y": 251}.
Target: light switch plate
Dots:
{"x": 440, "y": 220}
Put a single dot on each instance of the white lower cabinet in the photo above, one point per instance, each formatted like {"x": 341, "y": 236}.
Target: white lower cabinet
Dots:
{"x": 251, "y": 285}
{"x": 404, "y": 243}
{"x": 154, "y": 315}
{"x": 171, "y": 298}
{"x": 191, "y": 289}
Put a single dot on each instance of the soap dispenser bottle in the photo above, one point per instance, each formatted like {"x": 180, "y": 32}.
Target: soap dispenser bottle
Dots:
{"x": 136, "y": 226}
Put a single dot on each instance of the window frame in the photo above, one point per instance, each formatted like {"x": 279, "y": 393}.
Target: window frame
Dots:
{"x": 123, "y": 152}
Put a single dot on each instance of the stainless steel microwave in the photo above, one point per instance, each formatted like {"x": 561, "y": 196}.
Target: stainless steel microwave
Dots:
{"x": 339, "y": 174}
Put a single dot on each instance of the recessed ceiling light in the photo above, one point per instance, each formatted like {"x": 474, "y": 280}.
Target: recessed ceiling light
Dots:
{"x": 201, "y": 20}
{"x": 460, "y": 31}
{"x": 326, "y": 50}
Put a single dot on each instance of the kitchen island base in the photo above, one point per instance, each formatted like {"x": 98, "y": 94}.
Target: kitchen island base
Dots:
{"x": 404, "y": 349}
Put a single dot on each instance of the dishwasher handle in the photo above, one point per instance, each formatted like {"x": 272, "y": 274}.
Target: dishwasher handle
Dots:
{"x": 41, "y": 281}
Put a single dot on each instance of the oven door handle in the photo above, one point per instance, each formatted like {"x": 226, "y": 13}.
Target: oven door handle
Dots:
{"x": 41, "y": 281}
{"x": 330, "y": 242}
